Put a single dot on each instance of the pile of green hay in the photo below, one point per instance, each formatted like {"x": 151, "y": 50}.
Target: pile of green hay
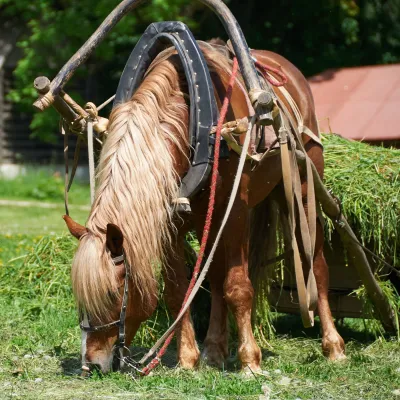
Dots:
{"x": 366, "y": 179}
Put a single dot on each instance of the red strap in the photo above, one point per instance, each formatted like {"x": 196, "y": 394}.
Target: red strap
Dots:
{"x": 266, "y": 68}
{"x": 211, "y": 202}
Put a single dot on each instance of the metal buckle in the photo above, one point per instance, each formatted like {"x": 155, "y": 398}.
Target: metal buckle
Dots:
{"x": 118, "y": 259}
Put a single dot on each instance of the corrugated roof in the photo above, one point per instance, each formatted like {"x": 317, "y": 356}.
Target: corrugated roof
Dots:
{"x": 360, "y": 103}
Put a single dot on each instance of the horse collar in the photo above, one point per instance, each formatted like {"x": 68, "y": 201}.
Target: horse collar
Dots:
{"x": 203, "y": 106}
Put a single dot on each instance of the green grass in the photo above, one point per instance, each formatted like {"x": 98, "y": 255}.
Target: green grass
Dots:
{"x": 40, "y": 342}
{"x": 43, "y": 214}
{"x": 35, "y": 220}
{"x": 42, "y": 186}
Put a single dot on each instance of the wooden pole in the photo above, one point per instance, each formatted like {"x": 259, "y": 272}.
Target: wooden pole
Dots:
{"x": 261, "y": 96}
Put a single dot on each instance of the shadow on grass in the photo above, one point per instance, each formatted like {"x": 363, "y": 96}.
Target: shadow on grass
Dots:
{"x": 71, "y": 363}
{"x": 285, "y": 325}
{"x": 348, "y": 328}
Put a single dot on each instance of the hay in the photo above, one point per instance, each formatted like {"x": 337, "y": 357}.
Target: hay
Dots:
{"x": 367, "y": 181}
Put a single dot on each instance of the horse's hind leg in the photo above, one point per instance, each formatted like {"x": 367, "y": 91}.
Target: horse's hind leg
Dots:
{"x": 332, "y": 343}
{"x": 176, "y": 284}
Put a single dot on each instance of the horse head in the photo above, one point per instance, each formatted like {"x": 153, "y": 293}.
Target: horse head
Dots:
{"x": 109, "y": 304}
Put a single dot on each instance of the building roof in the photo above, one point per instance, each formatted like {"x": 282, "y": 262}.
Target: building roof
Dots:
{"x": 361, "y": 103}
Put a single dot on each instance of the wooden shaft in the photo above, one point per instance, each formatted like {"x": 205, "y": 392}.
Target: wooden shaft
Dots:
{"x": 355, "y": 251}
{"x": 42, "y": 86}
{"x": 228, "y": 20}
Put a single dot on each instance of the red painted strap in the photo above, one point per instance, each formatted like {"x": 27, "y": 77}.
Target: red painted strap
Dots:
{"x": 211, "y": 202}
{"x": 266, "y": 68}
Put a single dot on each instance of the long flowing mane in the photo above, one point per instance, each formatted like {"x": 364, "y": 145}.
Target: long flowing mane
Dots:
{"x": 136, "y": 183}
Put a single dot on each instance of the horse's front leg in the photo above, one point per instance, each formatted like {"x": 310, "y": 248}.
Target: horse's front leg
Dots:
{"x": 176, "y": 285}
{"x": 216, "y": 343}
{"x": 238, "y": 289}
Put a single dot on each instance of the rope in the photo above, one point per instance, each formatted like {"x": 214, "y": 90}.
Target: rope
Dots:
{"x": 65, "y": 133}
{"x": 105, "y": 103}
{"x": 194, "y": 286}
{"x": 273, "y": 81}
{"x": 91, "y": 158}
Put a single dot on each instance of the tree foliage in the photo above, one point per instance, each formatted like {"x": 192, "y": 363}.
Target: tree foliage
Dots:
{"x": 314, "y": 35}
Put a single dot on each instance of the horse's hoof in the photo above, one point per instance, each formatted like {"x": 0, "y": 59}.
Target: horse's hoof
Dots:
{"x": 333, "y": 347}
{"x": 213, "y": 356}
{"x": 189, "y": 360}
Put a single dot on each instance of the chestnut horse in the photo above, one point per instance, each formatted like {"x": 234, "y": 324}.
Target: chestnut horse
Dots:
{"x": 141, "y": 164}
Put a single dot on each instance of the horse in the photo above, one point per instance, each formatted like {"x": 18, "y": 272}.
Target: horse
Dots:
{"x": 133, "y": 216}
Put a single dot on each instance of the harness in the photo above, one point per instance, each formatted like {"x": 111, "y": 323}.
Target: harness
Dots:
{"x": 203, "y": 107}
{"x": 203, "y": 119}
{"x": 120, "y": 323}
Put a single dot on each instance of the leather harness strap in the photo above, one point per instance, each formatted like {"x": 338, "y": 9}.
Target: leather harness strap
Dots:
{"x": 120, "y": 323}
{"x": 291, "y": 193}
{"x": 308, "y": 295}
{"x": 285, "y": 128}
{"x": 296, "y": 111}
{"x": 65, "y": 131}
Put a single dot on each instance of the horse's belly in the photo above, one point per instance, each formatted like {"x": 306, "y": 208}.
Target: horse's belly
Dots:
{"x": 266, "y": 175}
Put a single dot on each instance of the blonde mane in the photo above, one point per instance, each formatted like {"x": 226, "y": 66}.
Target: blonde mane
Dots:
{"x": 136, "y": 183}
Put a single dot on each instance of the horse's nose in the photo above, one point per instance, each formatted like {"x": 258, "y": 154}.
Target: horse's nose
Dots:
{"x": 87, "y": 371}
{"x": 98, "y": 360}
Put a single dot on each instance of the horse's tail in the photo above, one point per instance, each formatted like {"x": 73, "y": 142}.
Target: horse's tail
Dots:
{"x": 268, "y": 233}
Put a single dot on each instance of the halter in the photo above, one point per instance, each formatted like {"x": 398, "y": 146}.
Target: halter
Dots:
{"x": 120, "y": 323}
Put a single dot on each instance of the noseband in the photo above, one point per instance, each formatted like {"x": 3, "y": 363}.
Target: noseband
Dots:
{"x": 120, "y": 323}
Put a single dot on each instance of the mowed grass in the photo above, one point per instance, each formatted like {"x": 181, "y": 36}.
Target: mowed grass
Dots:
{"x": 40, "y": 337}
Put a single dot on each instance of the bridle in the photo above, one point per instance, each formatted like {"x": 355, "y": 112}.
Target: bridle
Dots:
{"x": 120, "y": 323}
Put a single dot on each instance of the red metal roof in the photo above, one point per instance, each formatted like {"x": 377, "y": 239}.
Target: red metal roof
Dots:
{"x": 361, "y": 103}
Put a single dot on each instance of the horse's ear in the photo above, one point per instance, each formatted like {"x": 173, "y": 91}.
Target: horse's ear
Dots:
{"x": 76, "y": 229}
{"x": 114, "y": 239}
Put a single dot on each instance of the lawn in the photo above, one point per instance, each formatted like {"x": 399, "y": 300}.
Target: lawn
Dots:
{"x": 40, "y": 337}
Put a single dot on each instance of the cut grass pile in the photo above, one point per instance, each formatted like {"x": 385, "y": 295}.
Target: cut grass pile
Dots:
{"x": 367, "y": 181}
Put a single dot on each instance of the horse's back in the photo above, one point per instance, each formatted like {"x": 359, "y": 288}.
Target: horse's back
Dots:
{"x": 297, "y": 86}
